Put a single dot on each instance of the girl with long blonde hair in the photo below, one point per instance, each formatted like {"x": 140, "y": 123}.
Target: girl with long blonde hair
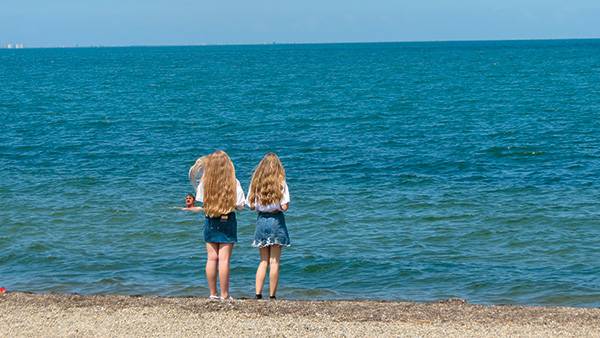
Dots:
{"x": 221, "y": 194}
{"x": 269, "y": 196}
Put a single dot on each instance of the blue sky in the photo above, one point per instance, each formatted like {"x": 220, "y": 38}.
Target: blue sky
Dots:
{"x": 176, "y": 22}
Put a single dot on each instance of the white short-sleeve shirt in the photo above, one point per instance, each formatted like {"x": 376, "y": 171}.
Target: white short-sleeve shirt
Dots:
{"x": 285, "y": 199}
{"x": 240, "y": 199}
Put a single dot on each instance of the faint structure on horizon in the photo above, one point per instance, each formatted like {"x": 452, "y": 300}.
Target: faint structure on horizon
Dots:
{"x": 15, "y": 46}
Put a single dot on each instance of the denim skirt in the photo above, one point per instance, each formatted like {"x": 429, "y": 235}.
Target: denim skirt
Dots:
{"x": 270, "y": 230}
{"x": 220, "y": 229}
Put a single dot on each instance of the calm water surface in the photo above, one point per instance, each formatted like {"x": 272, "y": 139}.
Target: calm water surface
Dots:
{"x": 418, "y": 171}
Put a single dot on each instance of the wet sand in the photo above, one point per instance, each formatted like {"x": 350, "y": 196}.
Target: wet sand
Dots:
{"x": 24, "y": 314}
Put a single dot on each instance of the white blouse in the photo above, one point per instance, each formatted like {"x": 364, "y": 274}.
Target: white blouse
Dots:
{"x": 240, "y": 199}
{"x": 285, "y": 199}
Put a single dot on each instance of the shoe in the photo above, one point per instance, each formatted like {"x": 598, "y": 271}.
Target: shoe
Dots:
{"x": 258, "y": 296}
{"x": 213, "y": 298}
{"x": 272, "y": 298}
{"x": 228, "y": 299}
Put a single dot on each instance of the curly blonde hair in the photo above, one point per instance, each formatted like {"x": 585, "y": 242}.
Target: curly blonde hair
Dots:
{"x": 219, "y": 184}
{"x": 266, "y": 186}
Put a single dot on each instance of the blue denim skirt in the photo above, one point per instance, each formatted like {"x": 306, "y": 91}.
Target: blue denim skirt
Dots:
{"x": 220, "y": 229}
{"x": 270, "y": 230}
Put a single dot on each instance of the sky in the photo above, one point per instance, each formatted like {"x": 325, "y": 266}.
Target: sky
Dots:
{"x": 45, "y": 23}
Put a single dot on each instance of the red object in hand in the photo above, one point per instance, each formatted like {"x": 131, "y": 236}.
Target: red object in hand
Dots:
{"x": 2, "y": 290}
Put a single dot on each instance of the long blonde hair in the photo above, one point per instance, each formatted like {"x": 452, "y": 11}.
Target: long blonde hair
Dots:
{"x": 219, "y": 184}
{"x": 266, "y": 186}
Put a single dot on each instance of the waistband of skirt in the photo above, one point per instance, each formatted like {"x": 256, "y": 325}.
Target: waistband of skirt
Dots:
{"x": 229, "y": 215}
{"x": 270, "y": 213}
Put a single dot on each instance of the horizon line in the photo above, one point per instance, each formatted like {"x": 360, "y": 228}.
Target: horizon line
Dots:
{"x": 4, "y": 44}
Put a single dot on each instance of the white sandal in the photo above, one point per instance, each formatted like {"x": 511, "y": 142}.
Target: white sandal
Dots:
{"x": 213, "y": 298}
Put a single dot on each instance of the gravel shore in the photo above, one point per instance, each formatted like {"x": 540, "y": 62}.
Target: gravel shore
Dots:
{"x": 48, "y": 315}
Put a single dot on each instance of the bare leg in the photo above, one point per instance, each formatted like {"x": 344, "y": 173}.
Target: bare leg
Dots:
{"x": 261, "y": 272}
{"x": 212, "y": 260}
{"x": 225, "y": 250}
{"x": 274, "y": 256}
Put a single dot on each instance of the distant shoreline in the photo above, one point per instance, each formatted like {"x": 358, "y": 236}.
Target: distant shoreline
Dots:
{"x": 283, "y": 43}
{"x": 25, "y": 314}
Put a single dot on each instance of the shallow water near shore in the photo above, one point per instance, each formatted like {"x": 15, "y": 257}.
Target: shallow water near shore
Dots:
{"x": 417, "y": 171}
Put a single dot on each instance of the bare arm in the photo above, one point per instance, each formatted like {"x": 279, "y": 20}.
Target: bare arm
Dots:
{"x": 194, "y": 209}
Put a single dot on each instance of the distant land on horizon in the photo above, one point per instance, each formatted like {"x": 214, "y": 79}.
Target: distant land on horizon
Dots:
{"x": 21, "y": 45}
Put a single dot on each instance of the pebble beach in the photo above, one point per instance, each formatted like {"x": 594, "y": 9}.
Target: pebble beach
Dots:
{"x": 53, "y": 315}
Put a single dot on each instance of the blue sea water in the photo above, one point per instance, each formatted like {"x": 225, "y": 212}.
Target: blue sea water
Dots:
{"x": 417, "y": 171}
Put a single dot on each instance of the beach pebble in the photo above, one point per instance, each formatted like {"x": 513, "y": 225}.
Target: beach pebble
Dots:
{"x": 121, "y": 316}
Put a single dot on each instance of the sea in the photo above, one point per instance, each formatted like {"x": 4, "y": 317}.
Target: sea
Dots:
{"x": 417, "y": 171}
